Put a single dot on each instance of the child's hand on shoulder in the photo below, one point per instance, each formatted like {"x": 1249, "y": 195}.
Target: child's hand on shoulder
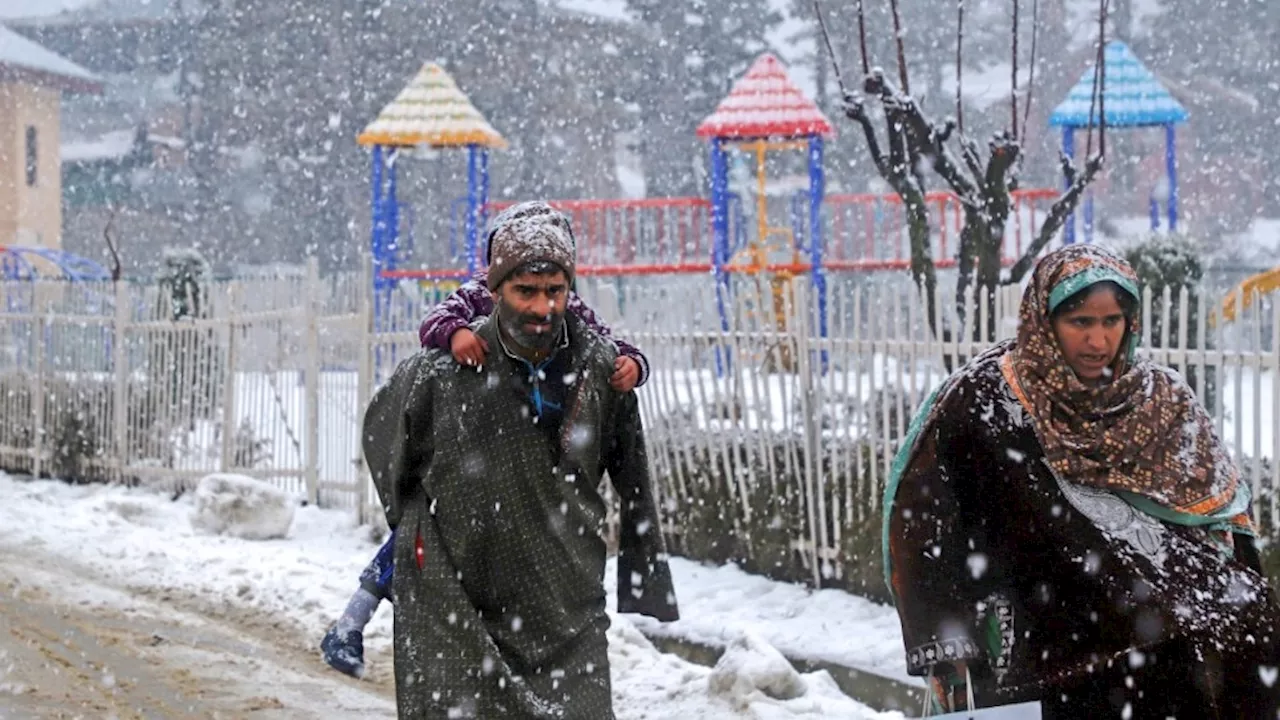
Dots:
{"x": 626, "y": 373}
{"x": 468, "y": 348}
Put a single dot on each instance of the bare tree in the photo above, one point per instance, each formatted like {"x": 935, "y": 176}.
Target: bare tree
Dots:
{"x": 983, "y": 183}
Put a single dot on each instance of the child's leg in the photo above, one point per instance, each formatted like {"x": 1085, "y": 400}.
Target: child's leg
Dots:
{"x": 376, "y": 576}
{"x": 343, "y": 645}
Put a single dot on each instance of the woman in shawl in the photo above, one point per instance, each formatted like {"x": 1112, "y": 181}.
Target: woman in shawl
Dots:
{"x": 1063, "y": 525}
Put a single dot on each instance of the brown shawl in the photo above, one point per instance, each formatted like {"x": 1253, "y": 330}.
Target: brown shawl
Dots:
{"x": 1144, "y": 432}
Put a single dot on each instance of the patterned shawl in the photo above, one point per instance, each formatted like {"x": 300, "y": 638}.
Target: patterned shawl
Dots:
{"x": 1143, "y": 434}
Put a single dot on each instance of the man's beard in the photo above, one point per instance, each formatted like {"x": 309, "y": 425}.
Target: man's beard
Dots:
{"x": 513, "y": 324}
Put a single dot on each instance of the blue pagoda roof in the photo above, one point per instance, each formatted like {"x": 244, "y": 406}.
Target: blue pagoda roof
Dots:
{"x": 1134, "y": 97}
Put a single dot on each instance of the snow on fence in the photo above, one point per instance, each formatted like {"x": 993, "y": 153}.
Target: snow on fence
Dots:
{"x": 769, "y": 441}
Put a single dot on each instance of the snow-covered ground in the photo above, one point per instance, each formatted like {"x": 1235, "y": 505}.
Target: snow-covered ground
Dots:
{"x": 143, "y": 540}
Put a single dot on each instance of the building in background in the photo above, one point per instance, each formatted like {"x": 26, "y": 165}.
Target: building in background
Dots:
{"x": 33, "y": 80}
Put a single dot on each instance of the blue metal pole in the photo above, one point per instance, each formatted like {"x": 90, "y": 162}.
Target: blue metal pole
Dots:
{"x": 377, "y": 229}
{"x": 473, "y": 207}
{"x": 1088, "y": 216}
{"x": 1155, "y": 213}
{"x": 484, "y": 194}
{"x": 392, "y": 205}
{"x": 720, "y": 238}
{"x": 817, "y": 190}
{"x": 1171, "y": 169}
{"x": 375, "y": 210}
{"x": 1068, "y": 149}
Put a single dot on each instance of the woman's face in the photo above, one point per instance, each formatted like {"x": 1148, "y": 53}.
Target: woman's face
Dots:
{"x": 1090, "y": 335}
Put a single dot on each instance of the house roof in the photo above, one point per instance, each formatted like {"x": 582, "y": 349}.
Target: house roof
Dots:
{"x": 432, "y": 111}
{"x": 766, "y": 103}
{"x": 28, "y": 61}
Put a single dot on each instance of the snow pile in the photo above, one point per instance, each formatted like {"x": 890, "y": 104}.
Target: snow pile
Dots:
{"x": 717, "y": 604}
{"x": 242, "y": 507}
{"x": 651, "y": 685}
{"x": 750, "y": 666}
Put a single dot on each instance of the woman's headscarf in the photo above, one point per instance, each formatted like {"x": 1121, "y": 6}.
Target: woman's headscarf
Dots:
{"x": 1143, "y": 434}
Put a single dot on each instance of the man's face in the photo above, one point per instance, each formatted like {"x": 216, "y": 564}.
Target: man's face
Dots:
{"x": 530, "y": 308}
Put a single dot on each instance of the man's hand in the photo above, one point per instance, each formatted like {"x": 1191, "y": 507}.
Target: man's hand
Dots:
{"x": 467, "y": 348}
{"x": 626, "y": 373}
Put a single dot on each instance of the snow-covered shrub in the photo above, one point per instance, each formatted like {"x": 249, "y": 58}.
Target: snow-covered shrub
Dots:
{"x": 74, "y": 437}
{"x": 1172, "y": 262}
{"x": 182, "y": 279}
{"x": 242, "y": 507}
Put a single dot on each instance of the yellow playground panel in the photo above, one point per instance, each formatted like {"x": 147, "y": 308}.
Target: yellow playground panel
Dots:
{"x": 1247, "y": 292}
{"x": 435, "y": 291}
{"x": 770, "y": 240}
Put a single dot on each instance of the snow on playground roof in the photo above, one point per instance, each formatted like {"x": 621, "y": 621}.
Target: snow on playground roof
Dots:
{"x": 766, "y": 103}
{"x": 432, "y": 111}
{"x": 23, "y": 55}
{"x": 1134, "y": 97}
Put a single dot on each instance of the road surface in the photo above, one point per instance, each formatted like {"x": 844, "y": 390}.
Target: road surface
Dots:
{"x": 74, "y": 646}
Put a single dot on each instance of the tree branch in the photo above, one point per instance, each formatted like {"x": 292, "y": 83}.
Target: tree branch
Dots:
{"x": 1031, "y": 67}
{"x": 1013, "y": 93}
{"x": 902, "y": 52}
{"x": 862, "y": 39}
{"x": 959, "y": 65}
{"x": 902, "y": 174}
{"x": 925, "y": 138}
{"x": 1058, "y": 214}
{"x": 1068, "y": 168}
{"x": 969, "y": 151}
{"x": 111, "y": 246}
{"x": 856, "y": 110}
{"x": 1005, "y": 152}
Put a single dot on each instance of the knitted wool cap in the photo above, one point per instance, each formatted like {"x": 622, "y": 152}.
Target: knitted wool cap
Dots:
{"x": 528, "y": 240}
{"x": 529, "y": 209}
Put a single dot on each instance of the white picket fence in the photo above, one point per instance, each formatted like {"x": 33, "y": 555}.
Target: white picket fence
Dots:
{"x": 773, "y": 394}
{"x": 99, "y": 382}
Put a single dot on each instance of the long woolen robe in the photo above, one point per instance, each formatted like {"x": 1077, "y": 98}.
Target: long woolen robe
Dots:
{"x": 1064, "y": 593}
{"x": 499, "y": 561}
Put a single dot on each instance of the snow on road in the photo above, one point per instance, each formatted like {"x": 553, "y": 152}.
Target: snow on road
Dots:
{"x": 281, "y": 594}
{"x": 73, "y": 647}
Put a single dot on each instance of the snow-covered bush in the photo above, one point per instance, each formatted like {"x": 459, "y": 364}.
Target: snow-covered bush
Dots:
{"x": 1172, "y": 262}
{"x": 182, "y": 280}
{"x": 242, "y": 507}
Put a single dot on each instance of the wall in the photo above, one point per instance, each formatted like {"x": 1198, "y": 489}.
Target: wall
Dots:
{"x": 30, "y": 215}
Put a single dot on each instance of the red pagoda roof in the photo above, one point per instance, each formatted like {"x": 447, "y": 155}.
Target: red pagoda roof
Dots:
{"x": 766, "y": 103}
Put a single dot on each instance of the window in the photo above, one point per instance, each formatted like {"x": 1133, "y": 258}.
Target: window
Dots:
{"x": 32, "y": 156}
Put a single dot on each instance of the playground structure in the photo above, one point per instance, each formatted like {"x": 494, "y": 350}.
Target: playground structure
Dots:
{"x": 722, "y": 235}
{"x": 431, "y": 113}
{"x": 765, "y": 111}
{"x": 21, "y": 265}
{"x": 1133, "y": 99}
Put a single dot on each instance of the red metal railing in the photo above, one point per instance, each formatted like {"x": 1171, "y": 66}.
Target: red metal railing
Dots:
{"x": 665, "y": 236}
{"x": 869, "y": 231}
{"x": 627, "y": 233}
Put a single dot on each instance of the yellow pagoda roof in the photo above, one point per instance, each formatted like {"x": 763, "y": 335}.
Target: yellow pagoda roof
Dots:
{"x": 431, "y": 111}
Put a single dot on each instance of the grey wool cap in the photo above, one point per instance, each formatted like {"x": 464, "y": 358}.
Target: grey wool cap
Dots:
{"x": 530, "y": 239}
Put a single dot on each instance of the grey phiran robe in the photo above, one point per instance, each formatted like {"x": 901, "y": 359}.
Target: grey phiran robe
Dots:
{"x": 500, "y": 607}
